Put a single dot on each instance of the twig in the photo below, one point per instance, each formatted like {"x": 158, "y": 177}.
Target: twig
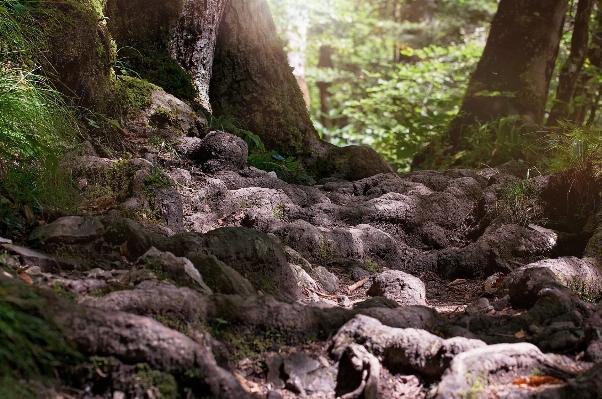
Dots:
{"x": 357, "y": 285}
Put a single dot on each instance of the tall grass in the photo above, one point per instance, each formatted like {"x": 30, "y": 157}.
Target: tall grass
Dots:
{"x": 36, "y": 126}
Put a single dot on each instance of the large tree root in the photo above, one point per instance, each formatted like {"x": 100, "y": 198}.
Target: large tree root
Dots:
{"x": 135, "y": 339}
{"x": 402, "y": 350}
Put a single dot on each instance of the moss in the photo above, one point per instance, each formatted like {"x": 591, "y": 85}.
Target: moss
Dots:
{"x": 370, "y": 265}
{"x": 594, "y": 246}
{"x": 131, "y": 96}
{"x": 324, "y": 252}
{"x": 164, "y": 382}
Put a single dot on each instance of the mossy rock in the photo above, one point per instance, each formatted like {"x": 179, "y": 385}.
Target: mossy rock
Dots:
{"x": 81, "y": 52}
{"x": 141, "y": 30}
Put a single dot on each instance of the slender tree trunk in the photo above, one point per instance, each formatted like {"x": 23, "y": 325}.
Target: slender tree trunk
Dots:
{"x": 297, "y": 44}
{"x": 569, "y": 74}
{"x": 325, "y": 61}
{"x": 252, "y": 80}
{"x": 587, "y": 85}
{"x": 192, "y": 42}
{"x": 514, "y": 72}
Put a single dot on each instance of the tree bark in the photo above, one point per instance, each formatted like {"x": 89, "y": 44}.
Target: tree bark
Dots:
{"x": 325, "y": 61}
{"x": 252, "y": 80}
{"x": 586, "y": 81}
{"x": 570, "y": 70}
{"x": 192, "y": 42}
{"x": 514, "y": 72}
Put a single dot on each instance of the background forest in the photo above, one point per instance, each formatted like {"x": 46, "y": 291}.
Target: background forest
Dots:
{"x": 392, "y": 75}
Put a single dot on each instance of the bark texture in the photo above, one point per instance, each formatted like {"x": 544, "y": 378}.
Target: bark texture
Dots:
{"x": 192, "y": 42}
{"x": 572, "y": 67}
{"x": 514, "y": 72}
{"x": 252, "y": 80}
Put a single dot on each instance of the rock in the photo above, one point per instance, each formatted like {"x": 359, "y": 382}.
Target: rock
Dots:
{"x": 69, "y": 230}
{"x": 344, "y": 301}
{"x": 295, "y": 257}
{"x": 256, "y": 256}
{"x": 31, "y": 257}
{"x": 359, "y": 373}
{"x": 376, "y": 302}
{"x": 99, "y": 274}
{"x": 303, "y": 279}
{"x": 401, "y": 348}
{"x": 479, "y": 306}
{"x": 180, "y": 176}
{"x": 327, "y": 280}
{"x": 188, "y": 147}
{"x": 498, "y": 364}
{"x": 274, "y": 395}
{"x": 179, "y": 270}
{"x": 583, "y": 276}
{"x": 222, "y": 151}
{"x": 5, "y": 241}
{"x": 168, "y": 202}
{"x": 299, "y": 373}
{"x": 221, "y": 278}
{"x": 501, "y": 303}
{"x": 352, "y": 163}
{"x": 400, "y": 287}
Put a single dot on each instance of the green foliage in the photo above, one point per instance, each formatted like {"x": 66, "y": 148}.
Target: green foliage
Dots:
{"x": 519, "y": 203}
{"x": 408, "y": 105}
{"x": 31, "y": 344}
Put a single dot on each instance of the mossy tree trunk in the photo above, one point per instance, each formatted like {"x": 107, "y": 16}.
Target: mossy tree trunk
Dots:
{"x": 569, "y": 74}
{"x": 514, "y": 72}
{"x": 253, "y": 83}
{"x": 192, "y": 42}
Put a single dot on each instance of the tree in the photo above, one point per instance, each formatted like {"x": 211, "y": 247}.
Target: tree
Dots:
{"x": 569, "y": 74}
{"x": 514, "y": 72}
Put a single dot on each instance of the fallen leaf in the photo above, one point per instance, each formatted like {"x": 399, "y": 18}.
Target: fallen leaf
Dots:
{"x": 520, "y": 334}
{"x": 100, "y": 373}
{"x": 24, "y": 276}
{"x": 457, "y": 281}
{"x": 247, "y": 385}
{"x": 7, "y": 274}
{"x": 28, "y": 214}
{"x": 124, "y": 251}
{"x": 537, "y": 381}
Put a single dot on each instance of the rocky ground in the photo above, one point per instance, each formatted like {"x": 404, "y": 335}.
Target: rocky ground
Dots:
{"x": 232, "y": 283}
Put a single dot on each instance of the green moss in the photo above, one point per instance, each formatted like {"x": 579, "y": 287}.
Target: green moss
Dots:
{"x": 370, "y": 265}
{"x": 164, "y": 382}
{"x": 59, "y": 289}
{"x": 131, "y": 95}
{"x": 324, "y": 252}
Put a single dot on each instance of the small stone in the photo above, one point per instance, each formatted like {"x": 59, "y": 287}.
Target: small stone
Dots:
{"x": 118, "y": 395}
{"x": 480, "y": 306}
{"x": 501, "y": 303}
{"x": 327, "y": 280}
{"x": 344, "y": 301}
{"x": 69, "y": 230}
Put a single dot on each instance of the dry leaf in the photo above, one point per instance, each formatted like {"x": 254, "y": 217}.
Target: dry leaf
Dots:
{"x": 28, "y": 214}
{"x": 537, "y": 381}
{"x": 520, "y": 334}
{"x": 100, "y": 373}
{"x": 457, "y": 281}
{"x": 124, "y": 251}
{"x": 247, "y": 385}
{"x": 24, "y": 276}
{"x": 7, "y": 274}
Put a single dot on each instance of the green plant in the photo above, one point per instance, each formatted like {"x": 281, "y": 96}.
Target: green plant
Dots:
{"x": 519, "y": 203}
{"x": 371, "y": 265}
{"x": 156, "y": 179}
{"x": 32, "y": 345}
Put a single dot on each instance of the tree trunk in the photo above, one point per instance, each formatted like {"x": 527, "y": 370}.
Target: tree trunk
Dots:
{"x": 192, "y": 42}
{"x": 252, "y": 81}
{"x": 325, "y": 61}
{"x": 570, "y": 71}
{"x": 296, "y": 34}
{"x": 587, "y": 86}
{"x": 514, "y": 72}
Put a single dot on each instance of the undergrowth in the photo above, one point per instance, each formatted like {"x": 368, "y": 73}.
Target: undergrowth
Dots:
{"x": 36, "y": 126}
{"x": 33, "y": 347}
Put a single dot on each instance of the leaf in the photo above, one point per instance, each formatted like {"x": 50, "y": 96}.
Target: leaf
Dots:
{"x": 277, "y": 156}
{"x": 537, "y": 381}
{"x": 24, "y": 276}
{"x": 520, "y": 334}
